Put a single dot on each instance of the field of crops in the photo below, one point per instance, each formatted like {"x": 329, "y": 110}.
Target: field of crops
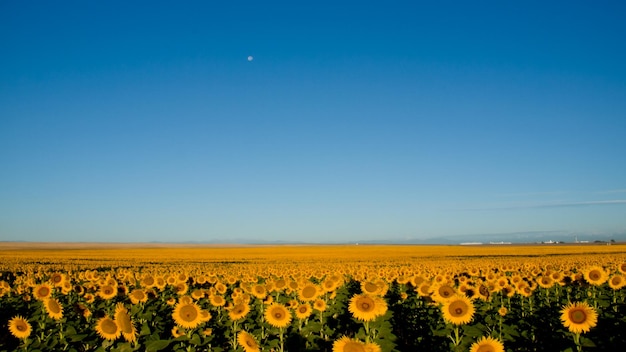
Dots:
{"x": 106, "y": 297}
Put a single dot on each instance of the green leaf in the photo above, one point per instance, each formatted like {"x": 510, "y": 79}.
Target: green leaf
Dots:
{"x": 156, "y": 345}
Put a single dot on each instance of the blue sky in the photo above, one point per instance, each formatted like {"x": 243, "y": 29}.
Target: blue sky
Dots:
{"x": 145, "y": 121}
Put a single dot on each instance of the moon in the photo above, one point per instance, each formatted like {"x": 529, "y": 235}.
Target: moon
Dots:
{"x": 250, "y": 58}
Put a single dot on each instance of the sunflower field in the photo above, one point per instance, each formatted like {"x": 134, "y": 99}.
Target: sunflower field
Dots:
{"x": 105, "y": 297}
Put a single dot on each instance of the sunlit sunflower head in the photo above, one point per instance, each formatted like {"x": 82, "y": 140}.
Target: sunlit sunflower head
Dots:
{"x": 248, "y": 342}
{"x": 53, "y": 308}
{"x": 187, "y": 315}
{"x": 458, "y": 310}
{"x": 595, "y": 275}
{"x": 107, "y": 291}
{"x": 57, "y": 279}
{"x": 19, "y": 327}
{"x": 177, "y": 331}
{"x": 372, "y": 347}
{"x": 277, "y": 315}
{"x": 370, "y": 288}
{"x": 309, "y": 292}
{"x": 122, "y": 319}
{"x": 217, "y": 300}
{"x": 444, "y": 292}
{"x": 424, "y": 289}
{"x": 346, "y": 344}
{"x": 545, "y": 281}
{"x": 137, "y": 296}
{"x": 579, "y": 317}
{"x": 197, "y": 294}
{"x": 487, "y": 344}
{"x": 502, "y": 311}
{"x": 319, "y": 305}
{"x": 107, "y": 328}
{"x": 303, "y": 311}
{"x": 617, "y": 281}
{"x": 239, "y": 311}
{"x": 42, "y": 291}
{"x": 259, "y": 291}
{"x": 366, "y": 307}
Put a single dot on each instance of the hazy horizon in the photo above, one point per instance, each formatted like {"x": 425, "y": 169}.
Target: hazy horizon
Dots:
{"x": 320, "y": 122}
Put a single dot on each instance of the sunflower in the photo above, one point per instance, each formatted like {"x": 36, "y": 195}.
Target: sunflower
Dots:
{"x": 19, "y": 327}
{"x": 259, "y": 291}
{"x": 346, "y": 344}
{"x": 617, "y": 281}
{"x": 42, "y": 291}
{"x": 239, "y": 311}
{"x": 308, "y": 292}
{"x": 424, "y": 289}
{"x": 122, "y": 319}
{"x": 442, "y": 293}
{"x": 89, "y": 298}
{"x": 579, "y": 317}
{"x": 366, "y": 307}
{"x": 187, "y": 315}
{"x": 138, "y": 295}
{"x": 53, "y": 308}
{"x": 319, "y": 305}
{"x": 107, "y": 291}
{"x": 303, "y": 311}
{"x": 217, "y": 300}
{"x": 248, "y": 342}
{"x": 57, "y": 279}
{"x": 595, "y": 275}
{"x": 370, "y": 287}
{"x": 502, "y": 311}
{"x": 107, "y": 328}
{"x": 177, "y": 331}
{"x": 545, "y": 281}
{"x": 277, "y": 315}
{"x": 458, "y": 310}
{"x": 372, "y": 347}
{"x": 487, "y": 344}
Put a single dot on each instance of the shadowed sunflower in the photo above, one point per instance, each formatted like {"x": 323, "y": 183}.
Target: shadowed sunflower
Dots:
{"x": 458, "y": 310}
{"x": 366, "y": 307}
{"x": 346, "y": 344}
{"x": 443, "y": 292}
{"x": 19, "y": 327}
{"x": 42, "y": 291}
{"x": 53, "y": 308}
{"x": 122, "y": 319}
{"x": 187, "y": 315}
{"x": 177, "y": 331}
{"x": 595, "y": 275}
{"x": 579, "y": 317}
{"x": 248, "y": 342}
{"x": 277, "y": 315}
{"x": 107, "y": 328}
{"x": 487, "y": 344}
{"x": 239, "y": 311}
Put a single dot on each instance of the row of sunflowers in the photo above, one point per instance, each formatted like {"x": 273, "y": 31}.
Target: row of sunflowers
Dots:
{"x": 566, "y": 303}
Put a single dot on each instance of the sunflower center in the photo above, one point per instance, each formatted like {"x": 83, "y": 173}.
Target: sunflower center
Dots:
{"x": 458, "y": 309}
{"x": 594, "y": 275}
{"x": 309, "y": 292}
{"x": 370, "y": 287}
{"x": 486, "y": 348}
{"x": 20, "y": 327}
{"x": 108, "y": 326}
{"x": 188, "y": 313}
{"x": 577, "y": 316}
{"x": 54, "y": 307}
{"x": 303, "y": 309}
{"x": 278, "y": 315}
{"x": 353, "y": 347}
{"x": 44, "y": 291}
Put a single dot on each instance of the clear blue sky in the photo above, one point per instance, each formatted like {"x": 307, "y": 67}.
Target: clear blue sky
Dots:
{"x": 145, "y": 121}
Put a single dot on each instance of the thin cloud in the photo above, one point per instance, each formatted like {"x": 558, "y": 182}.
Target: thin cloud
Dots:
{"x": 611, "y": 191}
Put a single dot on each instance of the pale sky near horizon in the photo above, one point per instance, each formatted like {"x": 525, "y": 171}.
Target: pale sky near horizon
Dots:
{"x": 146, "y": 121}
